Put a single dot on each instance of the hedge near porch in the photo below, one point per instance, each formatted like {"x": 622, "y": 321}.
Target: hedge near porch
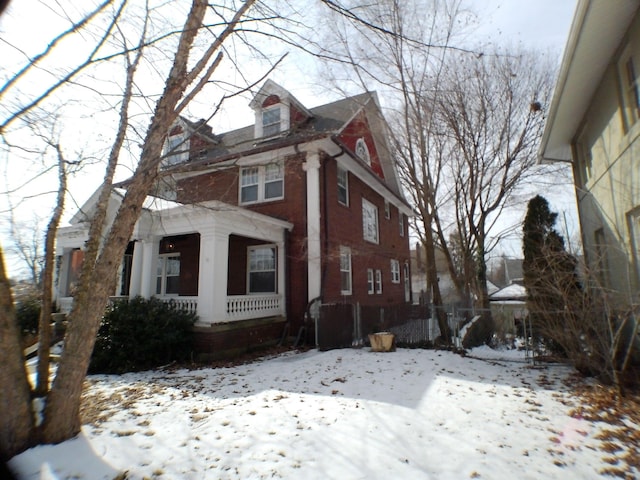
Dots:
{"x": 140, "y": 334}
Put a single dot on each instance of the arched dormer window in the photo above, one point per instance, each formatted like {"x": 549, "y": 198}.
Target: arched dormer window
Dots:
{"x": 362, "y": 151}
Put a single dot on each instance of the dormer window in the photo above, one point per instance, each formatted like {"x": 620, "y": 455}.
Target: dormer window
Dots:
{"x": 176, "y": 148}
{"x": 271, "y": 124}
{"x": 362, "y": 151}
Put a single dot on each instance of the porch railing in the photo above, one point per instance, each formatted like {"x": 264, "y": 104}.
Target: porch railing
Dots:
{"x": 188, "y": 304}
{"x": 253, "y": 306}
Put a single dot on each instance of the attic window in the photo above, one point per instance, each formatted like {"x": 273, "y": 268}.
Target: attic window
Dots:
{"x": 271, "y": 121}
{"x": 176, "y": 149}
{"x": 362, "y": 151}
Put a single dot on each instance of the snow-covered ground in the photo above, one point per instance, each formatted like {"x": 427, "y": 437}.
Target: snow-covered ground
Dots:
{"x": 343, "y": 414}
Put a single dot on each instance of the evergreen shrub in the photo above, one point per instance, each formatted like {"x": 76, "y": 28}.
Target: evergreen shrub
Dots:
{"x": 140, "y": 334}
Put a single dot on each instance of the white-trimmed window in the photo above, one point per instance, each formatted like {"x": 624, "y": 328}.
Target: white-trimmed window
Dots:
{"x": 262, "y": 183}
{"x": 343, "y": 186}
{"x": 395, "y": 271}
{"x": 362, "y": 151}
{"x": 176, "y": 149}
{"x": 345, "y": 271}
{"x": 401, "y": 222}
{"x": 378, "y": 281}
{"x": 168, "y": 274}
{"x": 387, "y": 210}
{"x": 261, "y": 274}
{"x": 630, "y": 87}
{"x": 633, "y": 218}
{"x": 370, "y": 282}
{"x": 369, "y": 221}
{"x": 271, "y": 121}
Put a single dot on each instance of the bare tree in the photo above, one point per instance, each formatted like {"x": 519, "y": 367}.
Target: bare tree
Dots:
{"x": 199, "y": 50}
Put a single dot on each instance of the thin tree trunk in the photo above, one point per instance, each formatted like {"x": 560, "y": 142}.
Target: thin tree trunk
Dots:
{"x": 16, "y": 419}
{"x": 44, "y": 327}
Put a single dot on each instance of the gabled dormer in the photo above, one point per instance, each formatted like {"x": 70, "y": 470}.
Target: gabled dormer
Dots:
{"x": 186, "y": 140}
{"x": 276, "y": 111}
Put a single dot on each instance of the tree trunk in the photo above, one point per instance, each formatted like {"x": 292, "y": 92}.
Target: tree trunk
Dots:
{"x": 432, "y": 282}
{"x": 16, "y": 419}
{"x": 44, "y": 327}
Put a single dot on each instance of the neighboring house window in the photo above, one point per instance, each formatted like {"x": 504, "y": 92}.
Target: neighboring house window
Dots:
{"x": 395, "y": 271}
{"x": 176, "y": 149}
{"x": 378, "y": 281}
{"x": 401, "y": 222}
{"x": 271, "y": 121}
{"x": 629, "y": 78}
{"x": 369, "y": 221}
{"x": 73, "y": 274}
{"x": 262, "y": 183}
{"x": 362, "y": 151}
{"x": 634, "y": 232}
{"x": 370, "y": 282}
{"x": 345, "y": 270}
{"x": 262, "y": 269}
{"x": 343, "y": 186}
{"x": 168, "y": 274}
{"x": 601, "y": 259}
{"x": 387, "y": 210}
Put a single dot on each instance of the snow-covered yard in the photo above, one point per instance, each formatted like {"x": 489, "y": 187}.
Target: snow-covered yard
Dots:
{"x": 343, "y": 414}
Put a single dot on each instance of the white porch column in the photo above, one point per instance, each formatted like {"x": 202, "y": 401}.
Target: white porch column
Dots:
{"x": 314, "y": 273}
{"x": 150, "y": 250}
{"x": 212, "y": 278}
{"x": 137, "y": 267}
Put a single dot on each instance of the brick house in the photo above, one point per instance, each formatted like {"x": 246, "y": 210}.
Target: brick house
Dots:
{"x": 249, "y": 226}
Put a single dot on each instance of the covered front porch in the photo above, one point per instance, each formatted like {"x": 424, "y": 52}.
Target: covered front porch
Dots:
{"x": 223, "y": 262}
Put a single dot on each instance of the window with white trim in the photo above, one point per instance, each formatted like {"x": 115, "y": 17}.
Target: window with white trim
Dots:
{"x": 369, "y": 221}
{"x": 362, "y": 151}
{"x": 633, "y": 219}
{"x": 261, "y": 275}
{"x": 343, "y": 186}
{"x": 630, "y": 84}
{"x": 378, "y": 281}
{"x": 401, "y": 222}
{"x": 395, "y": 271}
{"x": 387, "y": 210}
{"x": 168, "y": 274}
{"x": 271, "y": 124}
{"x": 262, "y": 183}
{"x": 176, "y": 149}
{"x": 345, "y": 271}
{"x": 370, "y": 282}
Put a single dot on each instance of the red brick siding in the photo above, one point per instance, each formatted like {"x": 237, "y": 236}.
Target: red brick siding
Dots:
{"x": 359, "y": 128}
{"x": 345, "y": 229}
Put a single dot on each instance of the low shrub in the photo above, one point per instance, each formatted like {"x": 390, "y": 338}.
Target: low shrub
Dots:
{"x": 141, "y": 334}
{"x": 28, "y": 315}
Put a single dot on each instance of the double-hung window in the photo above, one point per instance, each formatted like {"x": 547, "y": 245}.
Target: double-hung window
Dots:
{"x": 395, "y": 271}
{"x": 343, "y": 186}
{"x": 176, "y": 149}
{"x": 630, "y": 87}
{"x": 370, "y": 282}
{"x": 401, "y": 222}
{"x": 378, "y": 281}
{"x": 271, "y": 121}
{"x": 262, "y": 269}
{"x": 262, "y": 183}
{"x": 345, "y": 270}
{"x": 369, "y": 221}
{"x": 168, "y": 274}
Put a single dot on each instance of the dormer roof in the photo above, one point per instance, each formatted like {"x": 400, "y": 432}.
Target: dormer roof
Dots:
{"x": 271, "y": 89}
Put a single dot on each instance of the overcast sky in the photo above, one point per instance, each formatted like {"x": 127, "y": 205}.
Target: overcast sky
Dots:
{"x": 541, "y": 24}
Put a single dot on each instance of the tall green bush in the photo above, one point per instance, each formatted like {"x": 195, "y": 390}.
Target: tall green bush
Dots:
{"x": 140, "y": 334}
